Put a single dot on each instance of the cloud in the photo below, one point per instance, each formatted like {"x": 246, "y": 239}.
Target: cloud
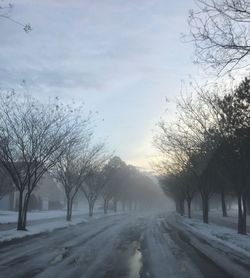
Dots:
{"x": 121, "y": 57}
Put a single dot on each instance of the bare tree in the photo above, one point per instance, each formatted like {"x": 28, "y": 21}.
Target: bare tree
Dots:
{"x": 220, "y": 32}
{"x": 67, "y": 174}
{"x": 189, "y": 187}
{"x": 179, "y": 179}
{"x": 189, "y": 145}
{"x": 33, "y": 138}
{"x": 93, "y": 186}
{"x": 74, "y": 167}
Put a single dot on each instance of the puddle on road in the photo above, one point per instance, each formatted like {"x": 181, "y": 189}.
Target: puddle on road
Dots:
{"x": 127, "y": 262}
{"x": 135, "y": 260}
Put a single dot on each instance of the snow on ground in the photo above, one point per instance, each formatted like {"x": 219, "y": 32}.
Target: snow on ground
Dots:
{"x": 215, "y": 216}
{"x": 41, "y": 221}
{"x": 38, "y": 228}
{"x": 222, "y": 245}
{"x": 11, "y": 216}
{"x": 224, "y": 235}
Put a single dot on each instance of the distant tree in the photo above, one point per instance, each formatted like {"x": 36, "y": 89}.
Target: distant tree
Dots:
{"x": 95, "y": 176}
{"x": 173, "y": 189}
{"x": 74, "y": 166}
{"x": 93, "y": 186}
{"x": 220, "y": 31}
{"x": 137, "y": 189}
{"x": 125, "y": 192}
{"x": 147, "y": 195}
{"x": 113, "y": 179}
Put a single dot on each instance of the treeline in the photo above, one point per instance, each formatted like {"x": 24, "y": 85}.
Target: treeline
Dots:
{"x": 206, "y": 150}
{"x": 51, "y": 137}
{"x": 110, "y": 179}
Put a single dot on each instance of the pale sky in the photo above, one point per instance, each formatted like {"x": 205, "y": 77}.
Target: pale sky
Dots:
{"x": 121, "y": 57}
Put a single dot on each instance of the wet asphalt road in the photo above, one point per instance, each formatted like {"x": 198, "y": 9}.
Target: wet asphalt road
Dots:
{"x": 129, "y": 245}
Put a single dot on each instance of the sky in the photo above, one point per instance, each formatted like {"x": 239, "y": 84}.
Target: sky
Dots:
{"x": 122, "y": 58}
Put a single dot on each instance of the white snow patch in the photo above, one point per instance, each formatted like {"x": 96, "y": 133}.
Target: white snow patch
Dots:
{"x": 11, "y": 216}
{"x": 38, "y": 228}
{"x": 224, "y": 235}
{"x": 224, "y": 246}
{"x": 42, "y": 226}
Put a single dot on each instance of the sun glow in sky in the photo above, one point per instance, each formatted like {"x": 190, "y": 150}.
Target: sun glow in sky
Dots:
{"x": 122, "y": 58}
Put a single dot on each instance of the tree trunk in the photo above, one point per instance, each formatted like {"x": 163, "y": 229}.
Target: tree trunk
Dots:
{"x": 205, "y": 208}
{"x": 115, "y": 205}
{"x": 25, "y": 209}
{"x": 248, "y": 204}
{"x": 189, "y": 207}
{"x": 244, "y": 201}
{"x": 182, "y": 207}
{"x": 106, "y": 205}
{"x": 20, "y": 208}
{"x": 22, "y": 211}
{"x": 223, "y": 204}
{"x": 69, "y": 208}
{"x": 242, "y": 214}
{"x": 91, "y": 208}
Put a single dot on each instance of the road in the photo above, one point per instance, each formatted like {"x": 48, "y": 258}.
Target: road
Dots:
{"x": 126, "y": 245}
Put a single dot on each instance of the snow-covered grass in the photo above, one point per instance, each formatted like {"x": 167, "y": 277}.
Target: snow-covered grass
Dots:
{"x": 38, "y": 228}
{"x": 11, "y": 216}
{"x": 232, "y": 215}
{"x": 223, "y": 245}
{"x": 221, "y": 234}
{"x": 46, "y": 224}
